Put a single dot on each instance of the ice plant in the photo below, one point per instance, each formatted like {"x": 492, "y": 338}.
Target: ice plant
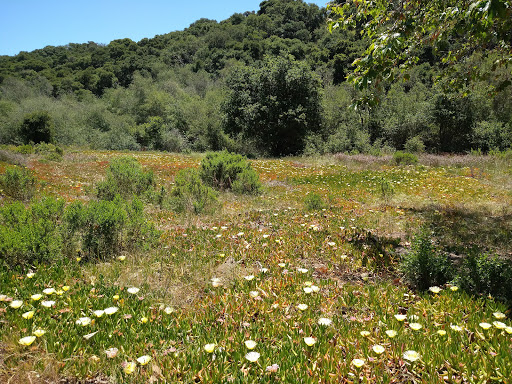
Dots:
{"x": 252, "y": 356}
{"x": 28, "y": 315}
{"x": 143, "y": 360}
{"x": 441, "y": 332}
{"x": 415, "y": 326}
{"x": 485, "y": 325}
{"x": 27, "y": 340}
{"x": 30, "y": 275}
{"x": 49, "y": 291}
{"x": 254, "y": 294}
{"x": 391, "y": 333}
{"x": 250, "y": 344}
{"x": 302, "y": 307}
{"x": 133, "y": 290}
{"x": 400, "y": 317}
{"x": 216, "y": 282}
{"x": 378, "y": 349}
{"x": 324, "y": 321}
{"x": 16, "y": 304}
{"x": 364, "y": 333}
{"x": 83, "y": 321}
{"x": 435, "y": 289}
{"x": 121, "y": 258}
{"x": 310, "y": 341}
{"x": 99, "y": 312}
{"x": 129, "y": 367}
{"x": 168, "y": 310}
{"x": 110, "y": 310}
{"x": 209, "y": 348}
{"x": 39, "y": 332}
{"x": 411, "y": 355}
{"x": 249, "y": 277}
{"x": 307, "y": 289}
{"x": 48, "y": 303}
{"x": 358, "y": 363}
{"x": 499, "y": 324}
{"x": 456, "y": 328}
{"x": 499, "y": 315}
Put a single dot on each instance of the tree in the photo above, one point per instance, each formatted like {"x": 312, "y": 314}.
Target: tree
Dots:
{"x": 37, "y": 127}
{"x": 398, "y": 32}
{"x": 277, "y": 105}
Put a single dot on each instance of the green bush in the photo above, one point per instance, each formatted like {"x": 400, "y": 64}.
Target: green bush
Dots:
{"x": 386, "y": 190}
{"x": 190, "y": 194}
{"x": 229, "y": 171}
{"x": 414, "y": 145}
{"x": 126, "y": 178}
{"x": 18, "y": 183}
{"x": 49, "y": 151}
{"x": 31, "y": 235}
{"x": 404, "y": 158}
{"x": 425, "y": 265}
{"x": 313, "y": 201}
{"x": 26, "y": 149}
{"x": 37, "y": 127}
{"x": 487, "y": 275}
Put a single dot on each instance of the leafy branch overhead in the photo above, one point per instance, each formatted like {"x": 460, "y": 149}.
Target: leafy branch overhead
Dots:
{"x": 399, "y": 31}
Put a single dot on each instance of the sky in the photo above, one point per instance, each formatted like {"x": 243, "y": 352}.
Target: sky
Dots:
{"x": 26, "y": 25}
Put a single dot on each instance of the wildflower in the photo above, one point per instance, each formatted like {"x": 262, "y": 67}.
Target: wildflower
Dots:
{"x": 99, "y": 313}
{"x": 324, "y": 321}
{"x": 133, "y": 290}
{"x": 49, "y": 291}
{"x": 88, "y": 336}
{"x": 411, "y": 355}
{"x": 65, "y": 288}
{"x": 441, "y": 332}
{"x": 499, "y": 324}
{"x": 454, "y": 288}
{"x": 331, "y": 243}
{"x": 309, "y": 341}
{"x": 435, "y": 289}
{"x": 415, "y": 326}
{"x": 485, "y": 325}
{"x": 282, "y": 265}
{"x": 83, "y": 321}
{"x": 30, "y": 275}
{"x": 115, "y": 297}
{"x": 252, "y": 356}
{"x": 302, "y": 307}
{"x": 59, "y": 292}
{"x": 456, "y": 328}
{"x": 110, "y": 310}
{"x": 28, "y": 315}
{"x": 111, "y": 352}
{"x": 144, "y": 320}
{"x": 499, "y": 315}
{"x": 263, "y": 270}
{"x": 209, "y": 348}
{"x": 400, "y": 317}
{"x": 250, "y": 344}
{"x": 129, "y": 368}
{"x": 272, "y": 368}
{"x": 508, "y": 330}
{"x": 48, "y": 303}
{"x": 302, "y": 270}
{"x": 307, "y": 290}
{"x": 378, "y": 349}
{"x": 143, "y": 360}
{"x": 216, "y": 282}
{"x": 249, "y": 277}
{"x": 365, "y": 333}
{"x": 121, "y": 258}
{"x": 358, "y": 363}
{"x": 27, "y": 340}
{"x": 168, "y": 310}
{"x": 254, "y": 294}
{"x": 314, "y": 288}
{"x": 39, "y": 332}
{"x": 391, "y": 333}
{"x": 16, "y": 304}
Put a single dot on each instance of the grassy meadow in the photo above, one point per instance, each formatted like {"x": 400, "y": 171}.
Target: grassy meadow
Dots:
{"x": 297, "y": 284}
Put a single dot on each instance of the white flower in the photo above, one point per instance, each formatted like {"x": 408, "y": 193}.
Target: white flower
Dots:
{"x": 302, "y": 270}
{"x": 30, "y": 275}
{"x": 48, "y": 303}
{"x": 324, "y": 321}
{"x": 307, "y": 289}
{"x": 282, "y": 265}
{"x": 378, "y": 349}
{"x": 83, "y": 321}
{"x": 111, "y": 352}
{"x": 143, "y": 360}
{"x": 441, "y": 332}
{"x": 456, "y": 328}
{"x": 499, "y": 315}
{"x": 28, "y": 315}
{"x": 254, "y": 294}
{"x": 27, "y": 340}
{"x": 168, "y": 310}
{"x": 110, "y": 310}
{"x": 365, "y": 333}
{"x": 49, "y": 291}
{"x": 314, "y": 288}
{"x": 400, "y": 317}
{"x": 302, "y": 307}
{"x": 98, "y": 313}
{"x": 209, "y": 348}
{"x": 358, "y": 363}
{"x": 250, "y": 344}
{"x": 16, "y": 304}
{"x": 411, "y": 355}
{"x": 263, "y": 270}
{"x": 499, "y": 324}
{"x": 121, "y": 258}
{"x": 485, "y": 325}
{"x": 249, "y": 277}
{"x": 133, "y": 290}
{"x": 415, "y": 326}
{"x": 39, "y": 332}
{"x": 310, "y": 341}
{"x": 252, "y": 356}
{"x": 216, "y": 282}
{"x": 435, "y": 289}
{"x": 391, "y": 333}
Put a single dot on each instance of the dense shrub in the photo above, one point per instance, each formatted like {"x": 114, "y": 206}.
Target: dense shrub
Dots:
{"x": 224, "y": 171}
{"x": 18, "y": 183}
{"x": 414, "y": 145}
{"x": 313, "y": 201}
{"x": 426, "y": 265}
{"x": 37, "y": 127}
{"x": 404, "y": 158}
{"x": 190, "y": 194}
{"x": 126, "y": 177}
{"x": 487, "y": 275}
{"x": 31, "y": 235}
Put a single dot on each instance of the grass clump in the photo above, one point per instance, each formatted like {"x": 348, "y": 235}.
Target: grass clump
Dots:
{"x": 425, "y": 265}
{"x": 229, "y": 171}
{"x": 18, "y": 183}
{"x": 190, "y": 194}
{"x": 404, "y": 158}
{"x": 125, "y": 177}
{"x": 314, "y": 202}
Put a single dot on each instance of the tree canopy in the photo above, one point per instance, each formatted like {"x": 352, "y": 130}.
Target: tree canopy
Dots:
{"x": 455, "y": 30}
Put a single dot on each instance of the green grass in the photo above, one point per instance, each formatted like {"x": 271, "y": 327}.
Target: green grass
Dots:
{"x": 330, "y": 260}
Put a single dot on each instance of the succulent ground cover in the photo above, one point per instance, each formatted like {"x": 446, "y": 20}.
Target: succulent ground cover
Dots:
{"x": 267, "y": 290}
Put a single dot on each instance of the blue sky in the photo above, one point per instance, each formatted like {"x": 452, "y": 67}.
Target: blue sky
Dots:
{"x": 26, "y": 25}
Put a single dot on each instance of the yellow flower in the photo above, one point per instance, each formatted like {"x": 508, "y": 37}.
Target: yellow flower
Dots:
{"x": 144, "y": 320}
{"x": 129, "y": 368}
{"x": 115, "y": 297}
{"x": 499, "y": 324}
{"x": 310, "y": 341}
{"x": 65, "y": 288}
{"x": 39, "y": 332}
{"x": 441, "y": 332}
{"x": 454, "y": 288}
{"x": 508, "y": 330}
{"x": 30, "y": 275}
{"x": 16, "y": 304}
{"x": 250, "y": 344}
{"x": 59, "y": 292}
{"x": 121, "y": 258}
{"x": 28, "y": 315}
{"x": 358, "y": 363}
{"x": 378, "y": 349}
{"x": 411, "y": 355}
{"x": 209, "y": 348}
{"x": 27, "y": 340}
{"x": 391, "y": 333}
{"x": 143, "y": 360}
{"x": 365, "y": 333}
{"x": 252, "y": 356}
{"x": 400, "y": 317}
{"x": 415, "y": 326}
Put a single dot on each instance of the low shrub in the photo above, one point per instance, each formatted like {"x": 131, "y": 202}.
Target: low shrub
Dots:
{"x": 125, "y": 177}
{"x": 229, "y": 171}
{"x": 313, "y": 201}
{"x": 426, "y": 265}
{"x": 18, "y": 183}
{"x": 404, "y": 158}
{"x": 31, "y": 235}
{"x": 191, "y": 195}
{"x": 414, "y": 145}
